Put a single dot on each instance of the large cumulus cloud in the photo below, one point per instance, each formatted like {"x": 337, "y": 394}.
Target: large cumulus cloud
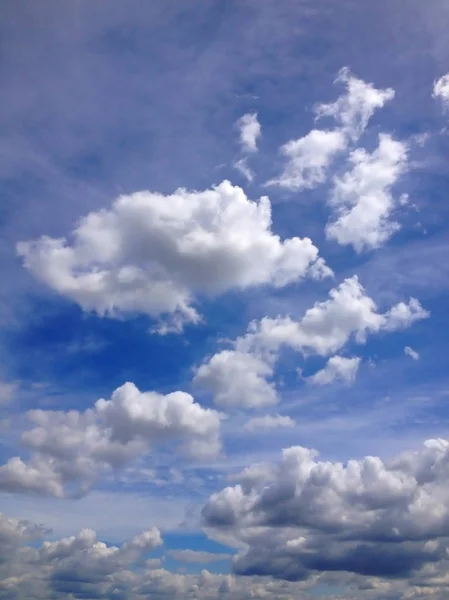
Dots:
{"x": 154, "y": 254}
{"x": 70, "y": 449}
{"x": 82, "y": 566}
{"x": 370, "y": 517}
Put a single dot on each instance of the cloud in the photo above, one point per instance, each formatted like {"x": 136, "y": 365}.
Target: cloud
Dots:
{"x": 269, "y": 422}
{"x": 13, "y": 533}
{"x": 369, "y": 517}
{"x": 83, "y": 566}
{"x": 338, "y": 368}
{"x": 197, "y": 556}
{"x": 236, "y": 377}
{"x": 362, "y": 200}
{"x": 353, "y": 110}
{"x": 250, "y": 131}
{"x": 308, "y": 158}
{"x": 69, "y": 450}
{"x": 242, "y": 166}
{"x": 152, "y": 254}
{"x": 412, "y": 353}
{"x": 441, "y": 89}
{"x": 7, "y": 392}
{"x": 80, "y": 565}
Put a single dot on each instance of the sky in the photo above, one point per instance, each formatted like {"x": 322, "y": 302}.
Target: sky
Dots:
{"x": 223, "y": 347}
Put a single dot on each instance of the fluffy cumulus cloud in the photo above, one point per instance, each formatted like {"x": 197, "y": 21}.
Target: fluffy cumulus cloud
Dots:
{"x": 374, "y": 518}
{"x": 237, "y": 379}
{"x": 308, "y": 158}
{"x": 70, "y": 449}
{"x": 152, "y": 254}
{"x": 441, "y": 89}
{"x": 82, "y": 566}
{"x": 337, "y": 368}
{"x": 269, "y": 422}
{"x": 325, "y": 328}
{"x": 79, "y": 566}
{"x": 250, "y": 131}
{"x": 362, "y": 199}
{"x": 353, "y": 110}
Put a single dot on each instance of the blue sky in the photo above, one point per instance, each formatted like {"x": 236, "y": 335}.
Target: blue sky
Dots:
{"x": 125, "y": 258}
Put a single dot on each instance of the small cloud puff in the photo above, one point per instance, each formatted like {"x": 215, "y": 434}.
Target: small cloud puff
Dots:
{"x": 412, "y": 353}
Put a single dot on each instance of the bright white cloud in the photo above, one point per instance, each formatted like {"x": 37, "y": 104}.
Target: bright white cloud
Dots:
{"x": 69, "y": 450}
{"x": 370, "y": 517}
{"x": 337, "y": 368}
{"x": 250, "y": 131}
{"x": 237, "y": 379}
{"x": 353, "y": 110}
{"x": 412, "y": 353}
{"x": 308, "y": 158}
{"x": 151, "y": 253}
{"x": 362, "y": 199}
{"x": 441, "y": 89}
{"x": 402, "y": 315}
{"x": 269, "y": 422}
{"x": 325, "y": 328}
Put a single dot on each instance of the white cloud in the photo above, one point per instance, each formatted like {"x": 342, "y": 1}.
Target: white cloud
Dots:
{"x": 269, "y": 422}
{"x": 441, "y": 89}
{"x": 242, "y": 166}
{"x": 308, "y": 159}
{"x": 327, "y": 326}
{"x": 70, "y": 449}
{"x": 370, "y": 517}
{"x": 152, "y": 254}
{"x": 338, "y": 368}
{"x": 324, "y": 329}
{"x": 362, "y": 198}
{"x": 250, "y": 131}
{"x": 412, "y": 353}
{"x": 402, "y": 315}
{"x": 353, "y": 110}
{"x": 237, "y": 379}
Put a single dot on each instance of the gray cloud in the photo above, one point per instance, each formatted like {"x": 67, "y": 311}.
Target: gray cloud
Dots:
{"x": 197, "y": 556}
{"x": 369, "y": 517}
